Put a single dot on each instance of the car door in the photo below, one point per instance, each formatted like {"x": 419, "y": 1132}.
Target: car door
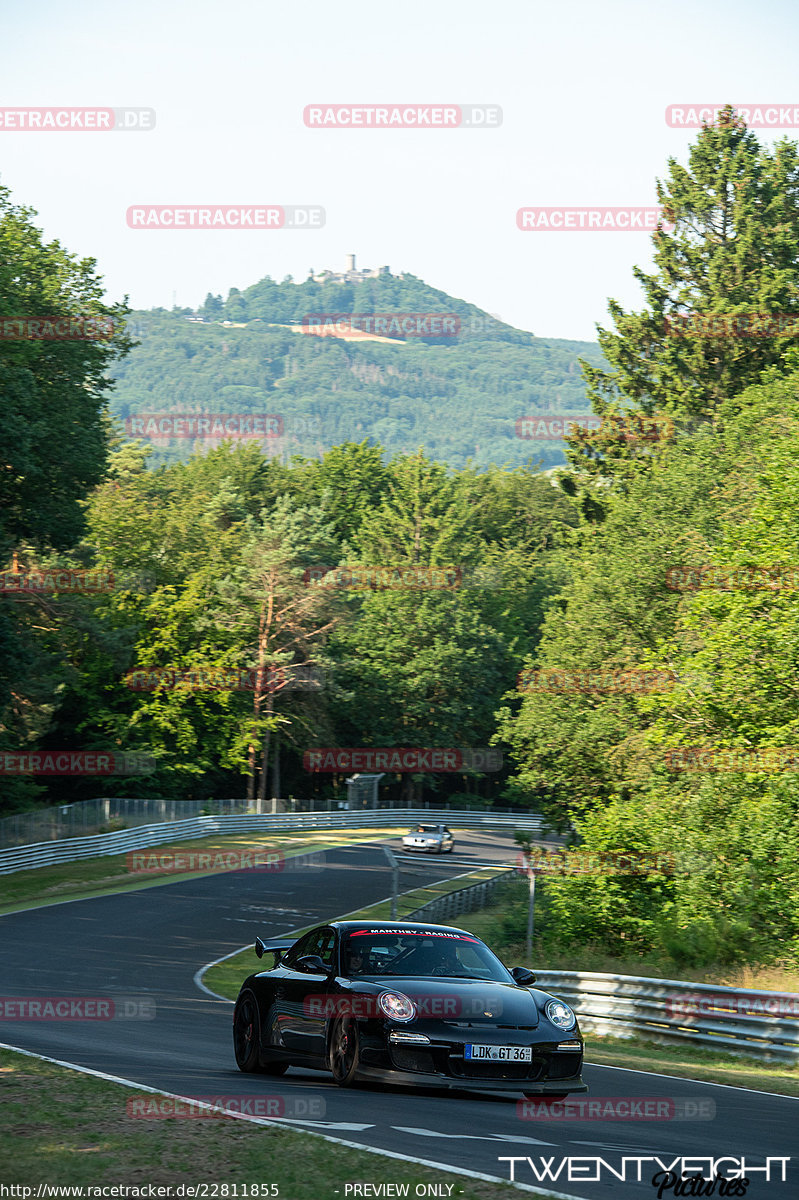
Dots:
{"x": 300, "y": 995}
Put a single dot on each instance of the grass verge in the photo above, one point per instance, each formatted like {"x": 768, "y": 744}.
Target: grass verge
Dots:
{"x": 111, "y": 874}
{"x": 692, "y": 1063}
{"x": 65, "y": 1128}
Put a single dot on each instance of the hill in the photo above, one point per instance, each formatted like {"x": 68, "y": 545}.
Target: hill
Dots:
{"x": 456, "y": 383}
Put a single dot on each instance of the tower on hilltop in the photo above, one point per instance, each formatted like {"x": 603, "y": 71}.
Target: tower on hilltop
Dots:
{"x": 351, "y": 275}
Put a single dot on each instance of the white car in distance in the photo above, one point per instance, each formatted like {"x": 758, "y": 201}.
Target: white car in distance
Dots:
{"x": 434, "y": 839}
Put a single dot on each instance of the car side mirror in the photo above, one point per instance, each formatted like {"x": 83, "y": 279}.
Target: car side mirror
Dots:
{"x": 311, "y": 964}
{"x": 523, "y": 976}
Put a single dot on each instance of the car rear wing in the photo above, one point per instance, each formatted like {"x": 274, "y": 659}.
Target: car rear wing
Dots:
{"x": 276, "y": 946}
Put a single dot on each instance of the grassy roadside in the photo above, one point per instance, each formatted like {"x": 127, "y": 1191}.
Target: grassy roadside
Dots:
{"x": 63, "y": 1127}
{"x": 692, "y": 1063}
{"x": 110, "y": 874}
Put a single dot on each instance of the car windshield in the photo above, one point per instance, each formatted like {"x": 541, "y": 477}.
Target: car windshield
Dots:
{"x": 427, "y": 829}
{"x": 424, "y": 954}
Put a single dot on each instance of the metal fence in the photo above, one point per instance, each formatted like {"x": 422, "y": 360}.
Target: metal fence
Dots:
{"x": 464, "y": 900}
{"x": 42, "y": 854}
{"x": 110, "y": 814}
{"x": 86, "y": 817}
{"x": 753, "y": 1023}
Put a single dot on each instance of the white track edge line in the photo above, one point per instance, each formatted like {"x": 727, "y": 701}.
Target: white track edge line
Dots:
{"x": 733, "y": 1087}
{"x": 424, "y": 1162}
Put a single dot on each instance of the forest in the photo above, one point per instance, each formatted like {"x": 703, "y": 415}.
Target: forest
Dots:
{"x": 448, "y": 581}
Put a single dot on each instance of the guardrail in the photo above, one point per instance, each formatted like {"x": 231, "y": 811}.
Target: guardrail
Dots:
{"x": 753, "y": 1023}
{"x": 42, "y": 854}
{"x": 461, "y": 901}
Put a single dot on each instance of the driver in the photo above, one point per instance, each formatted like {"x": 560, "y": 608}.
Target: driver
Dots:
{"x": 434, "y": 958}
{"x": 356, "y": 961}
{"x": 448, "y": 961}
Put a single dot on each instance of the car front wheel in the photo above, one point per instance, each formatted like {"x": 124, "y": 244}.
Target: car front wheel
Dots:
{"x": 345, "y": 1051}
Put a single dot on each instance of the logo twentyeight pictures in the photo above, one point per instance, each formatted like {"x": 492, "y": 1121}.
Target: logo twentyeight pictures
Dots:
{"x": 641, "y": 1168}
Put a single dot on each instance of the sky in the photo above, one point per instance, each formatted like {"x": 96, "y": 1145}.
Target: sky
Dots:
{"x": 582, "y": 86}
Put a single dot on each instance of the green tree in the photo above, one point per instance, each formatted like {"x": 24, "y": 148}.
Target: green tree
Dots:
{"x": 734, "y": 249}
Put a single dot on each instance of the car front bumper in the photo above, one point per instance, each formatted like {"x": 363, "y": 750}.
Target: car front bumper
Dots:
{"x": 435, "y": 1080}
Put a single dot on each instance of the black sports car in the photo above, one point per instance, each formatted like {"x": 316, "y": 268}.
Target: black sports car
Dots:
{"x": 392, "y": 1000}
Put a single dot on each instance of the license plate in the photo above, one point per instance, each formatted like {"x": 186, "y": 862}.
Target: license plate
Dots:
{"x": 499, "y": 1053}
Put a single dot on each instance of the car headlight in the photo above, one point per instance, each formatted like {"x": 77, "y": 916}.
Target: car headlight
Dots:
{"x": 560, "y": 1014}
{"x": 396, "y": 1006}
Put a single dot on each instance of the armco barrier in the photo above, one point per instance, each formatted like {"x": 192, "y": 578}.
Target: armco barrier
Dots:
{"x": 464, "y": 900}
{"x": 43, "y": 854}
{"x": 673, "y": 1011}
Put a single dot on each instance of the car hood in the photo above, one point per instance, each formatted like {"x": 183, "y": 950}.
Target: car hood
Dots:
{"x": 462, "y": 999}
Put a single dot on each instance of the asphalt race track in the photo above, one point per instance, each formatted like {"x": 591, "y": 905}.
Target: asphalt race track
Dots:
{"x": 148, "y": 945}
